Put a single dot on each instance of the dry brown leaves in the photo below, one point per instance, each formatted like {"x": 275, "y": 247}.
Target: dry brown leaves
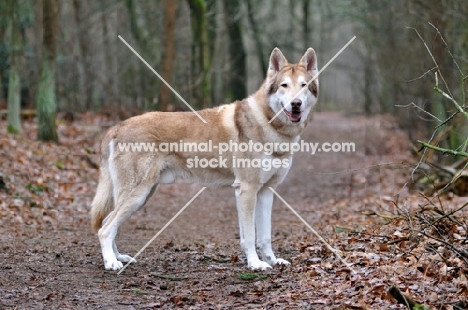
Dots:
{"x": 401, "y": 241}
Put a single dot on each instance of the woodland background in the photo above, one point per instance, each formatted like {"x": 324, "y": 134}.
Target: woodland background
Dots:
{"x": 214, "y": 52}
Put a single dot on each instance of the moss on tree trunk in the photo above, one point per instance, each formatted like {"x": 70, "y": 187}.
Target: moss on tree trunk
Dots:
{"x": 45, "y": 98}
{"x": 46, "y": 105}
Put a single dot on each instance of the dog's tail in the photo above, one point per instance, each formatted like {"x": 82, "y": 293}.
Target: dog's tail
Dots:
{"x": 103, "y": 201}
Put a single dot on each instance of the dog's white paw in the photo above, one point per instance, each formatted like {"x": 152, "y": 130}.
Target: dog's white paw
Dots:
{"x": 259, "y": 265}
{"x": 280, "y": 261}
{"x": 125, "y": 258}
{"x": 272, "y": 260}
{"x": 112, "y": 264}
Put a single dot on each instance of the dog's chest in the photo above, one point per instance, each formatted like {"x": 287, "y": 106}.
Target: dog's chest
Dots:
{"x": 274, "y": 167}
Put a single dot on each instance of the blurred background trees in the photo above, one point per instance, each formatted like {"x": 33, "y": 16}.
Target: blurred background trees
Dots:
{"x": 214, "y": 52}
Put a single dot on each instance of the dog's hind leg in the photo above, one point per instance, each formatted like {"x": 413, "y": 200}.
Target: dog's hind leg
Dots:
{"x": 123, "y": 257}
{"x": 120, "y": 257}
{"x": 127, "y": 204}
{"x": 263, "y": 227}
{"x": 132, "y": 188}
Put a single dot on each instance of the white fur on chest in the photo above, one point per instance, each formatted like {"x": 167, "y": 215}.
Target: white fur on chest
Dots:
{"x": 279, "y": 170}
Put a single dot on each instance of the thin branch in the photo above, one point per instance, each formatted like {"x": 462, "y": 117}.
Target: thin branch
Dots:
{"x": 418, "y": 78}
{"x": 419, "y": 108}
{"x": 448, "y": 119}
{"x": 402, "y": 298}
{"x": 448, "y": 50}
{"x": 455, "y": 177}
{"x": 433, "y": 59}
{"x": 423, "y": 155}
{"x": 448, "y": 215}
{"x": 443, "y": 150}
{"x": 462, "y": 253}
{"x": 459, "y": 107}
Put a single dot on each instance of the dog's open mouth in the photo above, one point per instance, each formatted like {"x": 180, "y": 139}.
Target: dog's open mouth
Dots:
{"x": 294, "y": 116}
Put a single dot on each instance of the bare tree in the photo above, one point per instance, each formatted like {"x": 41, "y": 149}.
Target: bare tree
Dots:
{"x": 14, "y": 83}
{"x": 257, "y": 36}
{"x": 238, "y": 89}
{"x": 110, "y": 83}
{"x": 85, "y": 68}
{"x": 168, "y": 53}
{"x": 45, "y": 99}
{"x": 202, "y": 50}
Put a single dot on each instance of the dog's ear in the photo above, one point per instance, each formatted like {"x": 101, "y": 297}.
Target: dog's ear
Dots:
{"x": 277, "y": 61}
{"x": 309, "y": 60}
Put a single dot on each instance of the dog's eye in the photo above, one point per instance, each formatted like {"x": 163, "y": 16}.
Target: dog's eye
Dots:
{"x": 284, "y": 85}
{"x": 304, "y": 84}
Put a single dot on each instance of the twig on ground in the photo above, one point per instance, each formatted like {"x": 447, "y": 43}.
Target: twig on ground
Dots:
{"x": 168, "y": 277}
{"x": 462, "y": 253}
{"x": 222, "y": 261}
{"x": 448, "y": 215}
{"x": 402, "y": 298}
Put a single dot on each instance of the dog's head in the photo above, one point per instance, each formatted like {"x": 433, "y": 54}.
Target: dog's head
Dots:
{"x": 290, "y": 89}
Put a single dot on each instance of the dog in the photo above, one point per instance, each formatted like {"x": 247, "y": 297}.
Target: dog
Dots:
{"x": 277, "y": 113}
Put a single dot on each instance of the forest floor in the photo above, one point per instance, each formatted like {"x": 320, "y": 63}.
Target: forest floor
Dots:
{"x": 361, "y": 203}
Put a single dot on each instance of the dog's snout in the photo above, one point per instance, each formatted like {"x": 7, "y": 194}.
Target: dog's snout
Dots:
{"x": 296, "y": 103}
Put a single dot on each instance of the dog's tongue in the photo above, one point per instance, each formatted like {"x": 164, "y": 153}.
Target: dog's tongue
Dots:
{"x": 293, "y": 117}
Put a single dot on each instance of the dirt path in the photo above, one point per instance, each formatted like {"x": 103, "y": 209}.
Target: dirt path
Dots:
{"x": 197, "y": 262}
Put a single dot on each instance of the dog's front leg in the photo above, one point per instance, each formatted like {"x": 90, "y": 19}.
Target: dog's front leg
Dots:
{"x": 263, "y": 225}
{"x": 246, "y": 198}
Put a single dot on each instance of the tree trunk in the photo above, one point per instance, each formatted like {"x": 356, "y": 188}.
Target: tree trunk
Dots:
{"x": 368, "y": 80}
{"x": 80, "y": 81}
{"x": 168, "y": 53}
{"x": 46, "y": 103}
{"x": 237, "y": 84}
{"x": 200, "y": 30}
{"x": 85, "y": 68}
{"x": 140, "y": 34}
{"x": 305, "y": 23}
{"x": 256, "y": 36}
{"x": 14, "y": 83}
{"x": 110, "y": 85}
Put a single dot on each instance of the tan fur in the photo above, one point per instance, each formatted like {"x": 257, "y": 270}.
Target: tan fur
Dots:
{"x": 127, "y": 179}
